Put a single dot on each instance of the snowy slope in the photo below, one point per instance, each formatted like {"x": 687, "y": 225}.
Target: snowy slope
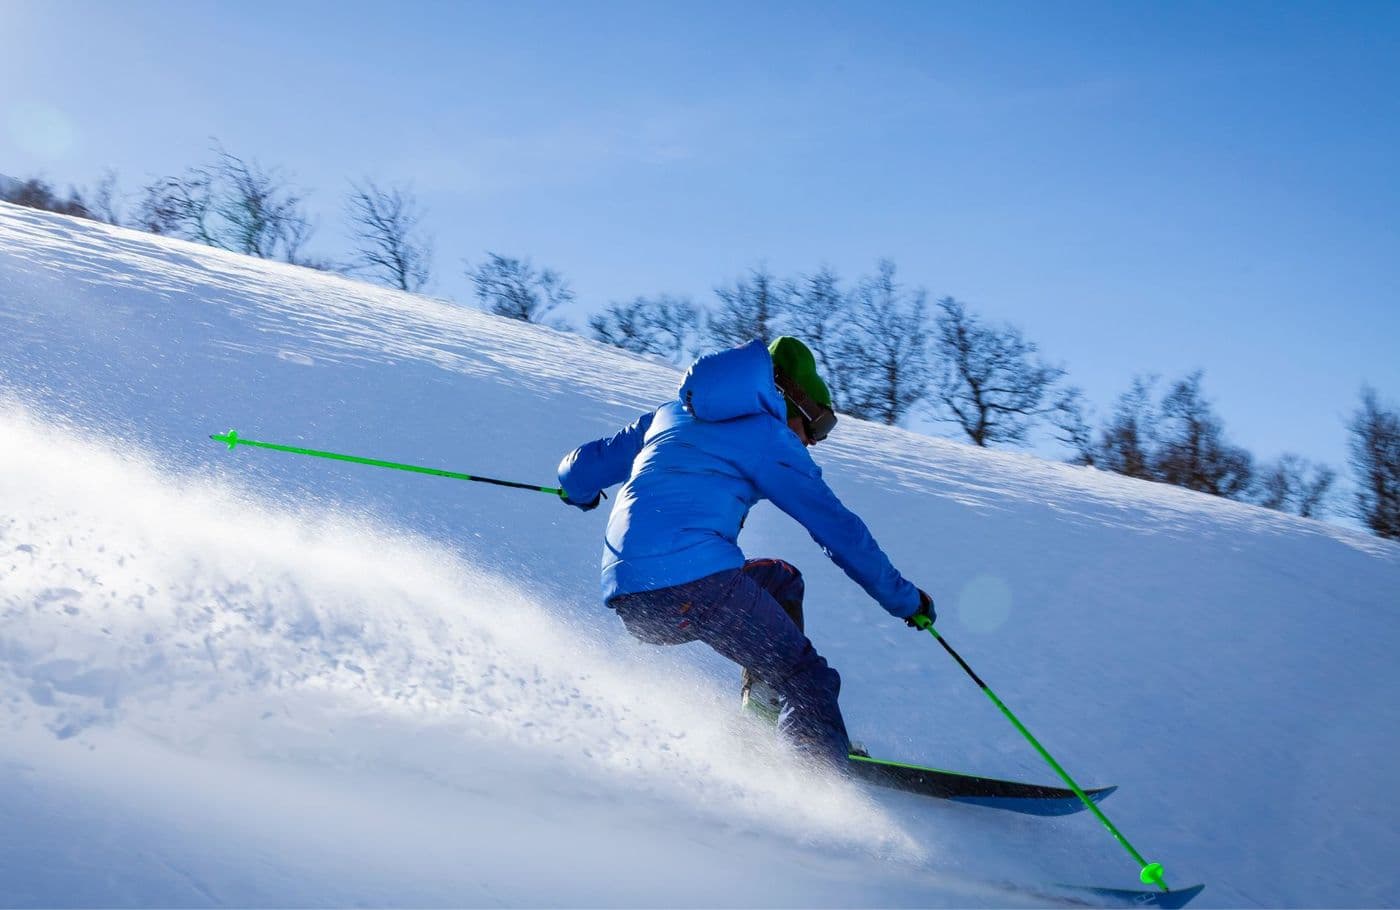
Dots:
{"x": 251, "y": 678}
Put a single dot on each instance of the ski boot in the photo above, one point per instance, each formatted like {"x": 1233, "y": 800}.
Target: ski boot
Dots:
{"x": 760, "y": 701}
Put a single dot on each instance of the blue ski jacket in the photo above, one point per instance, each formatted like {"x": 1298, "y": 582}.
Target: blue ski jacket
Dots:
{"x": 695, "y": 466}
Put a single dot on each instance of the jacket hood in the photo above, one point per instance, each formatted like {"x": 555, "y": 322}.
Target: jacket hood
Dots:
{"x": 733, "y": 383}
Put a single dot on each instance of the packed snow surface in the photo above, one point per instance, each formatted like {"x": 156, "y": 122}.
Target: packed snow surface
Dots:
{"x": 258, "y": 679}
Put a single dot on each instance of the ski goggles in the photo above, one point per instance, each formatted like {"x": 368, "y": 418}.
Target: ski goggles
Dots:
{"x": 817, "y": 419}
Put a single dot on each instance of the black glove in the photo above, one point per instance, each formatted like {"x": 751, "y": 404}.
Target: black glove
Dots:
{"x": 585, "y": 506}
{"x": 924, "y": 617}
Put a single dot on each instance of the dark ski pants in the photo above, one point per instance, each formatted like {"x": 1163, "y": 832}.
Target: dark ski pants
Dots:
{"x": 740, "y": 613}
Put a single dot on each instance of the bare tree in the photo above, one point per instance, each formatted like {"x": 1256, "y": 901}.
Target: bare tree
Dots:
{"x": 1375, "y": 463}
{"x": 624, "y": 325}
{"x": 180, "y": 207}
{"x": 106, "y": 201}
{"x": 262, "y": 215}
{"x": 662, "y": 326}
{"x": 389, "y": 244}
{"x": 884, "y": 349}
{"x": 36, "y": 193}
{"x": 233, "y": 205}
{"x": 1193, "y": 451}
{"x": 1294, "y": 484}
{"x": 818, "y": 312}
{"x": 748, "y": 309}
{"x": 988, "y": 380}
{"x": 296, "y": 233}
{"x": 1128, "y": 442}
{"x": 513, "y": 288}
{"x": 1071, "y": 417}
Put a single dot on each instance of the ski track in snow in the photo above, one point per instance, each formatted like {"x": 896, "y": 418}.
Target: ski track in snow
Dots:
{"x": 254, "y": 679}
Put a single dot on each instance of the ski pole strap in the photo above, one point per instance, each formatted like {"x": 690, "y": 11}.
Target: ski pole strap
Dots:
{"x": 233, "y": 439}
{"x": 1151, "y": 873}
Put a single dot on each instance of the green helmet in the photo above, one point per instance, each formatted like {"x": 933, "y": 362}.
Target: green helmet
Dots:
{"x": 794, "y": 360}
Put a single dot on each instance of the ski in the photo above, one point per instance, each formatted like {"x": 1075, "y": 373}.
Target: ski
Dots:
{"x": 1015, "y": 796}
{"x": 1088, "y": 896}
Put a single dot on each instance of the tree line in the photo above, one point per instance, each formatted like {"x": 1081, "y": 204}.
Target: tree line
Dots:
{"x": 887, "y": 351}
{"x": 237, "y": 204}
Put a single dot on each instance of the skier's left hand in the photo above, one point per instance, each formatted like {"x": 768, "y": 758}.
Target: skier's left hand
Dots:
{"x": 924, "y": 617}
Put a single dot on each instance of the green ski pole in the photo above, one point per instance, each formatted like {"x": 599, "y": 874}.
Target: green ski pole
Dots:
{"x": 233, "y": 439}
{"x": 1151, "y": 873}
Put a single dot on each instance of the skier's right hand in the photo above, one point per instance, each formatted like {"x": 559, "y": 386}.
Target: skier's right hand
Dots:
{"x": 924, "y": 617}
{"x": 585, "y": 506}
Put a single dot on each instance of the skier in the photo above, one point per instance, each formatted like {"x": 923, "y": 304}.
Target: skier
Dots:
{"x": 672, "y": 568}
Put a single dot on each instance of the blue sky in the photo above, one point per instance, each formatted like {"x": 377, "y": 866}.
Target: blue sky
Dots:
{"x": 1141, "y": 187}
